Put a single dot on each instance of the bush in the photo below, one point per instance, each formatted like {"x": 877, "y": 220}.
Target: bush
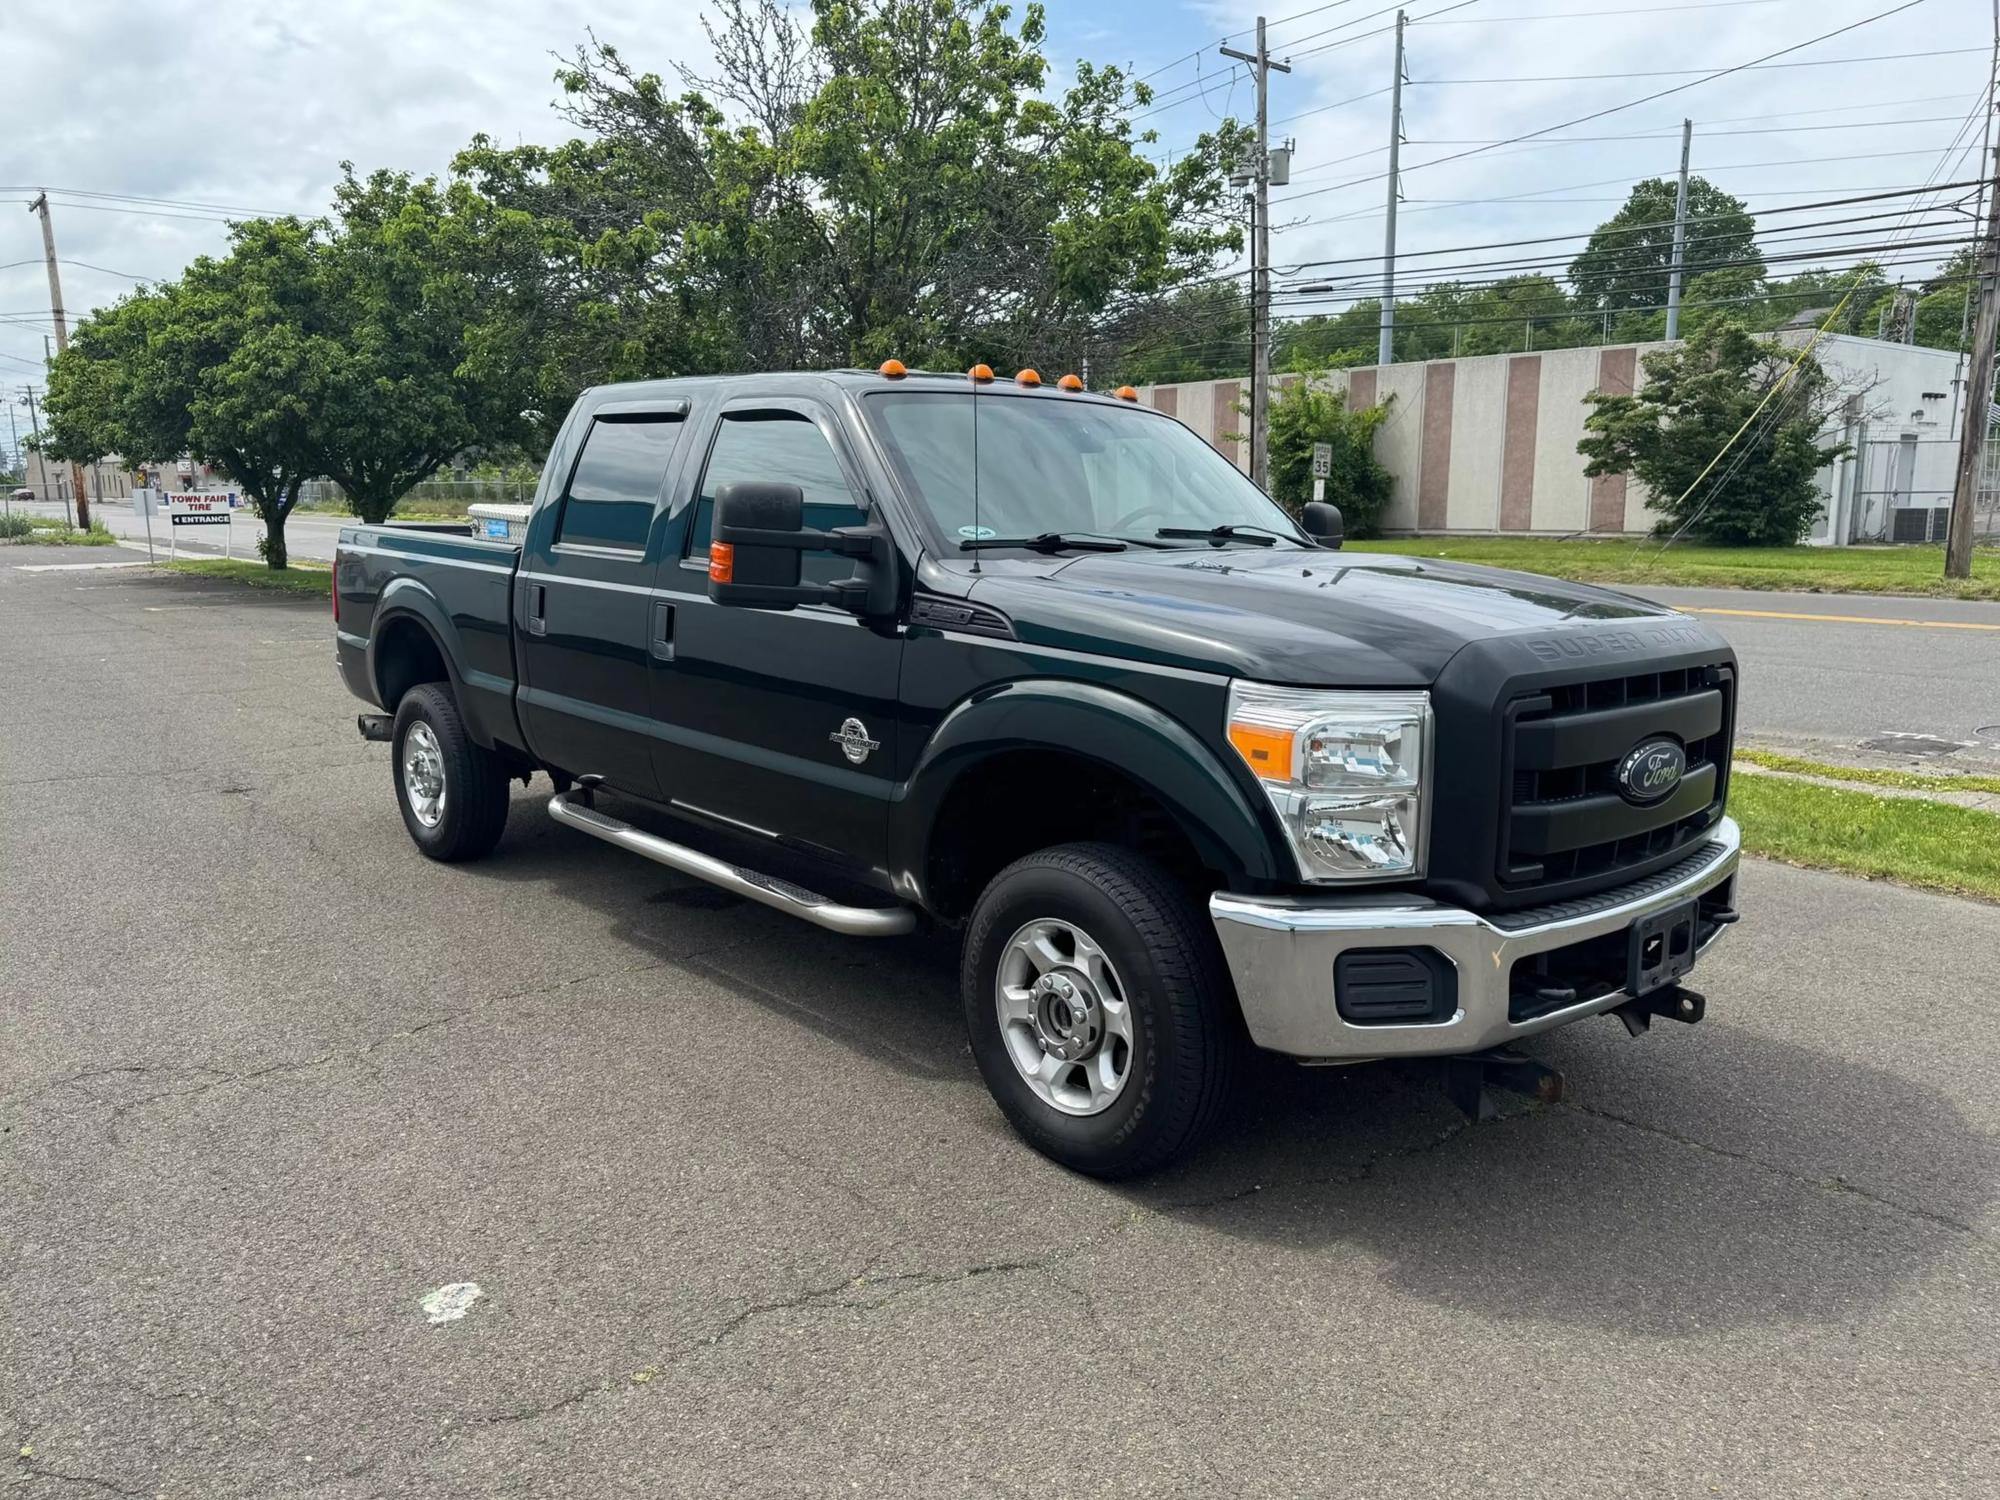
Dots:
{"x": 12, "y": 528}
{"x": 1307, "y": 412}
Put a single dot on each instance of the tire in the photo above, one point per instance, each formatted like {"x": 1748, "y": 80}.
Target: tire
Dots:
{"x": 467, "y": 820}
{"x": 1182, "y": 1042}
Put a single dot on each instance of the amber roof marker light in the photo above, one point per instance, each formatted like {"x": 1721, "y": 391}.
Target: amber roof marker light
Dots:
{"x": 1069, "y": 383}
{"x": 1028, "y": 377}
{"x": 980, "y": 373}
{"x": 1127, "y": 393}
{"x": 893, "y": 369}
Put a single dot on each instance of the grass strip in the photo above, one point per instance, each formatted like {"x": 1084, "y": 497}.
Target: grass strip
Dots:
{"x": 54, "y": 531}
{"x": 296, "y": 579}
{"x": 1934, "y": 845}
{"x": 1907, "y": 781}
{"x": 1915, "y": 571}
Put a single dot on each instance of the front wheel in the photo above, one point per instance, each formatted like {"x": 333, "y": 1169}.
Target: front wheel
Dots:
{"x": 1099, "y": 1008}
{"x": 453, "y": 792}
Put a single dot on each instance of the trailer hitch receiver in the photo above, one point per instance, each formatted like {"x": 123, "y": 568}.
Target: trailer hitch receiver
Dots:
{"x": 1673, "y": 1002}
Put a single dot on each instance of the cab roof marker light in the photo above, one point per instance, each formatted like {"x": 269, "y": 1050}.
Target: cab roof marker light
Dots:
{"x": 893, "y": 369}
{"x": 980, "y": 374}
{"x": 1069, "y": 383}
{"x": 1028, "y": 377}
{"x": 1127, "y": 393}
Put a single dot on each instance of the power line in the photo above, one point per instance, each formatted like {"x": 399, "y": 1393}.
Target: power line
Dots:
{"x": 1823, "y": 62}
{"x": 1709, "y": 170}
{"x": 1695, "y": 224}
{"x": 261, "y": 213}
{"x": 1585, "y": 15}
{"x": 1658, "y": 135}
{"x": 1649, "y": 98}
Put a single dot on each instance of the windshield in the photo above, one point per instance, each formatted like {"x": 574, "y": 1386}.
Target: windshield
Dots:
{"x": 1062, "y": 466}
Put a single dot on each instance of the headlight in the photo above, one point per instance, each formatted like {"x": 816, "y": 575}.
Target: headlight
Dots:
{"x": 1347, "y": 774}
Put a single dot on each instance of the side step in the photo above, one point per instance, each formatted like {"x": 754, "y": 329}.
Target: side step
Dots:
{"x": 782, "y": 895}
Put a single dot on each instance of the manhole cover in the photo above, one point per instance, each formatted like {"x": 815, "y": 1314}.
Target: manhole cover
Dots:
{"x": 1899, "y": 742}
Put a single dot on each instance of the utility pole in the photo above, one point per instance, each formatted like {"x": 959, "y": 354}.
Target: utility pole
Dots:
{"x": 1385, "y": 348}
{"x": 41, "y": 206}
{"x": 1680, "y": 235}
{"x": 1260, "y": 264}
{"x": 14, "y": 447}
{"x": 1978, "y": 389}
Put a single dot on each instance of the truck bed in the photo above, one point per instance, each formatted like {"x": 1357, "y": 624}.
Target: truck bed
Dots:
{"x": 458, "y": 586}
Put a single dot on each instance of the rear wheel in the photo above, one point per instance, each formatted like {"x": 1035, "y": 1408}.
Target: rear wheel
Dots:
{"x": 453, "y": 792}
{"x": 1099, "y": 1008}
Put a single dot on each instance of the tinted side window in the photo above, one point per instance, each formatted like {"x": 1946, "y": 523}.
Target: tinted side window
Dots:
{"x": 616, "y": 482}
{"x": 779, "y": 447}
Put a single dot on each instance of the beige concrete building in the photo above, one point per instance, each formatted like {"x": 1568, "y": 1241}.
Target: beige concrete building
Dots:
{"x": 1488, "y": 444}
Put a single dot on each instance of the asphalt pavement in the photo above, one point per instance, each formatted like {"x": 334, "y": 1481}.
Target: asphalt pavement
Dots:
{"x": 1845, "y": 677}
{"x": 1861, "y": 676}
{"x": 742, "y": 1219}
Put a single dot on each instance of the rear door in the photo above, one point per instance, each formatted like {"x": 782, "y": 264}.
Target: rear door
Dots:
{"x": 778, "y": 722}
{"x": 583, "y": 598}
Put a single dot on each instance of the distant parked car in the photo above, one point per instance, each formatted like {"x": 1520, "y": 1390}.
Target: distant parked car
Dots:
{"x": 24, "y": 493}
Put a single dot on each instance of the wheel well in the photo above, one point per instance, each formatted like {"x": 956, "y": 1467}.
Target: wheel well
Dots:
{"x": 1020, "y": 801}
{"x": 405, "y": 655}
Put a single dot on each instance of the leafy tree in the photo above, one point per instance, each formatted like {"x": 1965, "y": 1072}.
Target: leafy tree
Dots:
{"x": 887, "y": 177}
{"x": 113, "y": 390}
{"x": 1698, "y": 393}
{"x": 1308, "y": 411}
{"x": 410, "y": 337}
{"x": 1627, "y": 263}
{"x": 1201, "y": 332}
{"x": 238, "y": 348}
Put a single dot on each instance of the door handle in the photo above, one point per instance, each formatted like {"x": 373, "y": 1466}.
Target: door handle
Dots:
{"x": 662, "y": 644}
{"x": 538, "y": 604}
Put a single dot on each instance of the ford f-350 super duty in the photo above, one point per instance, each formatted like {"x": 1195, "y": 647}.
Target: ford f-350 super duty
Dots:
{"x": 877, "y": 648}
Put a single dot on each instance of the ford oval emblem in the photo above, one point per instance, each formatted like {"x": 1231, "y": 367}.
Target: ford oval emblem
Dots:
{"x": 1650, "y": 770}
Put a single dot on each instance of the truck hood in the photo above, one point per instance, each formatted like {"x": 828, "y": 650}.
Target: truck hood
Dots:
{"x": 1337, "y": 619}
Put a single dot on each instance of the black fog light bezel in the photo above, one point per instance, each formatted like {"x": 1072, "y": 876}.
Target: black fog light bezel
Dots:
{"x": 1414, "y": 986}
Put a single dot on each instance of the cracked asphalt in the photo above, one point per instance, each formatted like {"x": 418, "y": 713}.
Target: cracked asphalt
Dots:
{"x": 744, "y": 1221}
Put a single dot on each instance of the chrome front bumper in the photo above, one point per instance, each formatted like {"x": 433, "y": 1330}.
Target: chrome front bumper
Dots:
{"x": 1281, "y": 952}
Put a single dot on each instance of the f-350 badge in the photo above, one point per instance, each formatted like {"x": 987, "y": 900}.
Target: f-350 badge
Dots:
{"x": 852, "y": 737}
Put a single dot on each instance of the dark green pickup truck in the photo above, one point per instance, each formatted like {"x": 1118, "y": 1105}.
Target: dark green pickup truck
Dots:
{"x": 876, "y": 649}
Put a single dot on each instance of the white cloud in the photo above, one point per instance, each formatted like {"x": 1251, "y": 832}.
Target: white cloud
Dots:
{"x": 252, "y": 104}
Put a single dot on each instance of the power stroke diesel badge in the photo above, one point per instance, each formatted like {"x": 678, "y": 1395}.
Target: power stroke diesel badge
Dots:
{"x": 852, "y": 737}
{"x": 1650, "y": 770}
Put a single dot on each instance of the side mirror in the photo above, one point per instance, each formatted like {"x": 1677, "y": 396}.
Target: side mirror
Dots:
{"x": 754, "y": 549}
{"x": 1323, "y": 522}
{"x": 754, "y": 557}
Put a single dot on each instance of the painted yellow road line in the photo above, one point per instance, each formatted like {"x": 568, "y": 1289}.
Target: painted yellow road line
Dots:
{"x": 1783, "y": 614}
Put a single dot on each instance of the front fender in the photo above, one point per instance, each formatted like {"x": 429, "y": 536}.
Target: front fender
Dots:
{"x": 1232, "y": 833}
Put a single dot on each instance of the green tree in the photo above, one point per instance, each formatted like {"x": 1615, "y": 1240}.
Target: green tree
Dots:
{"x": 114, "y": 390}
{"x": 1201, "y": 332}
{"x": 412, "y": 343}
{"x": 1695, "y": 397}
{"x": 1627, "y": 263}
{"x": 239, "y": 347}
{"x": 1308, "y": 411}
{"x": 887, "y": 177}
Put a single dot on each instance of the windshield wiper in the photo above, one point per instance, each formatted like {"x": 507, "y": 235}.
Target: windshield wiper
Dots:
{"x": 1048, "y": 541}
{"x": 1261, "y": 536}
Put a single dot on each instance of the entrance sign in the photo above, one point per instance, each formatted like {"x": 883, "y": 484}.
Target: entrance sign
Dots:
{"x": 193, "y": 509}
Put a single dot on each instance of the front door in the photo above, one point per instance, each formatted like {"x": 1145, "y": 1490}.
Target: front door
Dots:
{"x": 584, "y": 600}
{"x": 779, "y": 722}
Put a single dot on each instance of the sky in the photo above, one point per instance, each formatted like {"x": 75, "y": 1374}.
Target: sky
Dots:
{"x": 237, "y": 107}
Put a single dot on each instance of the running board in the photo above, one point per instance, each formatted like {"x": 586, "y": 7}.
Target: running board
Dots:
{"x": 753, "y": 885}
